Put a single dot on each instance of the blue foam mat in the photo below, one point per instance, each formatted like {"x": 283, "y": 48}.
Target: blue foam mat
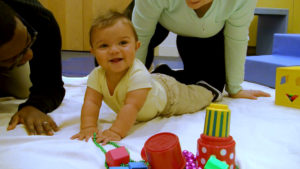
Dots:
{"x": 77, "y": 66}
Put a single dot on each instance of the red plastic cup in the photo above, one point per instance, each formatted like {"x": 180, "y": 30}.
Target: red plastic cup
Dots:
{"x": 163, "y": 150}
{"x": 221, "y": 147}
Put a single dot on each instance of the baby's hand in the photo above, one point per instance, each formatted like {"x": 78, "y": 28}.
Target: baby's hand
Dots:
{"x": 85, "y": 133}
{"x": 107, "y": 135}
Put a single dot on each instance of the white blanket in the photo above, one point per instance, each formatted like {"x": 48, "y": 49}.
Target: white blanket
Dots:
{"x": 267, "y": 136}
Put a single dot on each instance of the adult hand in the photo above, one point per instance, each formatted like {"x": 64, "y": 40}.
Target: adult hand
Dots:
{"x": 85, "y": 133}
{"x": 35, "y": 121}
{"x": 250, "y": 94}
{"x": 107, "y": 136}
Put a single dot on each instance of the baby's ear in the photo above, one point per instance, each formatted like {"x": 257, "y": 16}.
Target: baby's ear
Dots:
{"x": 137, "y": 45}
{"x": 92, "y": 51}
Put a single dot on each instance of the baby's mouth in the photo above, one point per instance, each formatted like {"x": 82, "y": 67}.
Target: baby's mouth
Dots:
{"x": 115, "y": 60}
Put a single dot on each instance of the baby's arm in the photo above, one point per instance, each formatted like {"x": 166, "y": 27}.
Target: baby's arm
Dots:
{"x": 89, "y": 114}
{"x": 126, "y": 117}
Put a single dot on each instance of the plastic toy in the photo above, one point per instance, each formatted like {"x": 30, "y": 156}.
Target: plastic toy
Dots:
{"x": 215, "y": 139}
{"x": 163, "y": 151}
{"x": 214, "y": 163}
{"x": 137, "y": 165}
{"x": 287, "y": 90}
{"x": 190, "y": 159}
{"x": 117, "y": 156}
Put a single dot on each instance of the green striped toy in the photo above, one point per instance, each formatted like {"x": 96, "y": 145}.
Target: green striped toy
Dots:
{"x": 217, "y": 120}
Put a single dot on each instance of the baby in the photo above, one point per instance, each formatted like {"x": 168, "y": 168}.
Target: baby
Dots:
{"x": 126, "y": 86}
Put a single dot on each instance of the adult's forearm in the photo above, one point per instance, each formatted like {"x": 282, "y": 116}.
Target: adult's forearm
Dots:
{"x": 46, "y": 101}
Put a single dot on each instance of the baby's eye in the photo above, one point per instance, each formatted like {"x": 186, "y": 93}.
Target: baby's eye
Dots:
{"x": 123, "y": 42}
{"x": 103, "y": 46}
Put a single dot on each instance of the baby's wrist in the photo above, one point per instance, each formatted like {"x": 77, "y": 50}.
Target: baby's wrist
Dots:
{"x": 116, "y": 131}
{"x": 87, "y": 126}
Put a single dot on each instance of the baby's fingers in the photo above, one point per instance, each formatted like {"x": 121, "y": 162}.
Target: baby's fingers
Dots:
{"x": 75, "y": 136}
{"x": 81, "y": 136}
{"x": 87, "y": 137}
{"x": 103, "y": 140}
{"x": 99, "y": 139}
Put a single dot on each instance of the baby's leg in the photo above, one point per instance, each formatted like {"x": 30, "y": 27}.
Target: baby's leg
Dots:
{"x": 182, "y": 98}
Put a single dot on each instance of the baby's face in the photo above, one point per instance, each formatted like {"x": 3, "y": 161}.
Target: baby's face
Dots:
{"x": 114, "y": 47}
{"x": 196, "y": 4}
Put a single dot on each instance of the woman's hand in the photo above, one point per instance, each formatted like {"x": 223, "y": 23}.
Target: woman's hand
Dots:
{"x": 250, "y": 94}
{"x": 85, "y": 133}
{"x": 107, "y": 136}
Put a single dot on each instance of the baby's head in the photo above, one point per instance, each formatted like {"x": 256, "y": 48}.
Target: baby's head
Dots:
{"x": 108, "y": 20}
{"x": 114, "y": 42}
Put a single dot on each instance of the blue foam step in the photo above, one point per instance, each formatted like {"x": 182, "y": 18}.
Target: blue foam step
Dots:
{"x": 286, "y": 44}
{"x": 261, "y": 69}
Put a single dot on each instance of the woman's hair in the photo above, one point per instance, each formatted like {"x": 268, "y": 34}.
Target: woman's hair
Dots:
{"x": 110, "y": 19}
{"x": 7, "y": 23}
